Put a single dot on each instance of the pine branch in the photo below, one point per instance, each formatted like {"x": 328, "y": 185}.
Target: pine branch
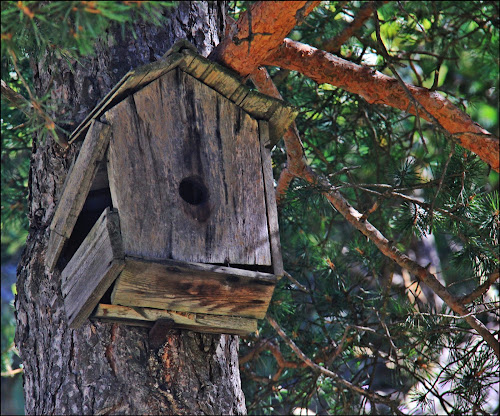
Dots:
{"x": 257, "y": 32}
{"x": 354, "y": 218}
{"x": 297, "y": 166}
{"x": 481, "y": 289}
{"x": 28, "y": 107}
{"x": 378, "y": 88}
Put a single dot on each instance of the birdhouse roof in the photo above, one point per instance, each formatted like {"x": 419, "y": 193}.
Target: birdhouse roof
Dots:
{"x": 184, "y": 56}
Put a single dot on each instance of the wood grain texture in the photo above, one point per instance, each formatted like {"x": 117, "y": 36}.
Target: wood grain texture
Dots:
{"x": 272, "y": 211}
{"x": 175, "y": 128}
{"x": 228, "y": 83}
{"x": 93, "y": 268}
{"x": 76, "y": 189}
{"x": 189, "y": 287}
{"x": 199, "y": 322}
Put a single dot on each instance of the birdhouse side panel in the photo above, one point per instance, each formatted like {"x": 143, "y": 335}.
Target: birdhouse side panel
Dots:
{"x": 185, "y": 175}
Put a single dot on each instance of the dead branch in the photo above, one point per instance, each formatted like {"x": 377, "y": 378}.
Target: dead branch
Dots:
{"x": 378, "y": 88}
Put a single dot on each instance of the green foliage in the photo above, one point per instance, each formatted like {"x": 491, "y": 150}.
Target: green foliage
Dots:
{"x": 67, "y": 28}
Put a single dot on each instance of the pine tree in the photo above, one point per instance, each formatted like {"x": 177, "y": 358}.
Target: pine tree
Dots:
{"x": 386, "y": 189}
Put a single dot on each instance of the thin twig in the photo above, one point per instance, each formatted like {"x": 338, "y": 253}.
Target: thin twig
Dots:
{"x": 459, "y": 317}
{"x": 440, "y": 184}
{"x": 481, "y": 289}
{"x": 401, "y": 82}
{"x": 11, "y": 372}
{"x": 296, "y": 282}
{"x": 372, "y": 396}
{"x": 365, "y": 11}
{"x": 16, "y": 99}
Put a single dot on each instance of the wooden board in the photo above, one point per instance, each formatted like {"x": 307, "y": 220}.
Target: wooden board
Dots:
{"x": 223, "y": 80}
{"x": 199, "y": 322}
{"x": 189, "y": 287}
{"x": 229, "y": 84}
{"x": 93, "y": 268}
{"x": 177, "y": 128}
{"x": 75, "y": 190}
{"x": 272, "y": 211}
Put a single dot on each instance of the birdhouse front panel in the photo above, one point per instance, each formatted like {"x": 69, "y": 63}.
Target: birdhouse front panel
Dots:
{"x": 185, "y": 175}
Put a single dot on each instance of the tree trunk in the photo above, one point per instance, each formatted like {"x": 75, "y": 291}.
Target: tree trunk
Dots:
{"x": 109, "y": 368}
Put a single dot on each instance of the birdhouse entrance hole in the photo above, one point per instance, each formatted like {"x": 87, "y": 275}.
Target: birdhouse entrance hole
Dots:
{"x": 193, "y": 190}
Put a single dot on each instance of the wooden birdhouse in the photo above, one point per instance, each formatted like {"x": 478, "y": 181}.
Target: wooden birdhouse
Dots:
{"x": 169, "y": 210}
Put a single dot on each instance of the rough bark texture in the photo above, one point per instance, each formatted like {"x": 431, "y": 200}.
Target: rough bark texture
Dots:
{"x": 377, "y": 88}
{"x": 108, "y": 368}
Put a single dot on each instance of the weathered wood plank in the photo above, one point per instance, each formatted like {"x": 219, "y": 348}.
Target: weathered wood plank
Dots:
{"x": 76, "y": 188}
{"x": 189, "y": 287}
{"x": 221, "y": 79}
{"x": 184, "y": 320}
{"x": 203, "y": 144}
{"x": 272, "y": 211}
{"x": 94, "y": 267}
{"x": 198, "y": 66}
{"x": 239, "y": 94}
{"x": 258, "y": 105}
{"x": 131, "y": 81}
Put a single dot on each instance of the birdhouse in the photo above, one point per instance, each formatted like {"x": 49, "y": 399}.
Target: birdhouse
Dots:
{"x": 169, "y": 209}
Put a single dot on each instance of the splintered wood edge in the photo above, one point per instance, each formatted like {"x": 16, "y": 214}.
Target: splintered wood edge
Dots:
{"x": 75, "y": 190}
{"x": 184, "y": 320}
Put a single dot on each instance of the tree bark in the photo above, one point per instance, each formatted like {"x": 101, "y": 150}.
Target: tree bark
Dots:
{"x": 109, "y": 368}
{"x": 258, "y": 32}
